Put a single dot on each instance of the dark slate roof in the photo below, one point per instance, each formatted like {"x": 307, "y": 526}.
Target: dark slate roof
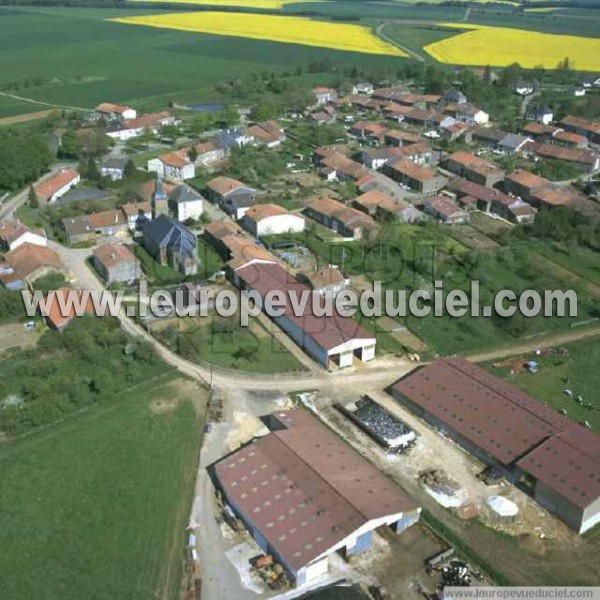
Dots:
{"x": 184, "y": 193}
{"x": 169, "y": 233}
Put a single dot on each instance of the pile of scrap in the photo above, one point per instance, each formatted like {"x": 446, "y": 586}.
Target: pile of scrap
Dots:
{"x": 269, "y": 571}
{"x": 444, "y": 490}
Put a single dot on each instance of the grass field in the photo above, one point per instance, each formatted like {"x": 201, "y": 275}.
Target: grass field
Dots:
{"x": 289, "y": 30}
{"x": 499, "y": 46}
{"x": 258, "y": 4}
{"x": 95, "y": 507}
{"x": 577, "y": 372}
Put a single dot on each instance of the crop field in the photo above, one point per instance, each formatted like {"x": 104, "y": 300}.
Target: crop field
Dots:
{"x": 144, "y": 66}
{"x": 258, "y": 4}
{"x": 289, "y": 30}
{"x": 96, "y": 506}
{"x": 499, "y": 46}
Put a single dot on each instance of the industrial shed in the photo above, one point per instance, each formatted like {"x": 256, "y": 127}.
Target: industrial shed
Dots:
{"x": 304, "y": 494}
{"x": 327, "y": 339}
{"x": 545, "y": 454}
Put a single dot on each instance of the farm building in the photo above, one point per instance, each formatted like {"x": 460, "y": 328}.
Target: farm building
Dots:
{"x": 347, "y": 221}
{"x": 550, "y": 457}
{"x": 232, "y": 195}
{"x": 130, "y": 128}
{"x": 271, "y": 219}
{"x": 474, "y": 168}
{"x": 423, "y": 180}
{"x": 329, "y": 340}
{"x": 293, "y": 490}
{"x": 323, "y": 95}
{"x": 86, "y": 228}
{"x": 445, "y": 210}
{"x": 57, "y": 185}
{"x": 175, "y": 165}
{"x": 267, "y": 133}
{"x": 26, "y": 263}
{"x": 109, "y": 111}
{"x": 328, "y": 280}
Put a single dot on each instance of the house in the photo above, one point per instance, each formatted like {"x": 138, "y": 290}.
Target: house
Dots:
{"x": 130, "y": 128}
{"x": 454, "y": 96}
{"x": 586, "y": 160}
{"x": 267, "y": 133}
{"x": 540, "y": 114}
{"x": 485, "y": 136}
{"x": 375, "y": 158}
{"x": 548, "y": 456}
{"x": 514, "y": 210}
{"x": 57, "y": 185}
{"x": 86, "y": 228}
{"x": 396, "y": 112}
{"x": 588, "y": 129}
{"x": 137, "y": 213}
{"x": 368, "y": 130}
{"x": 424, "y": 180}
{"x": 320, "y": 117}
{"x": 174, "y": 165}
{"x": 537, "y": 191}
{"x": 323, "y": 95}
{"x": 569, "y": 140}
{"x": 231, "y": 195}
{"x": 233, "y": 137}
{"x": 208, "y": 153}
{"x": 308, "y": 493}
{"x": 116, "y": 263}
{"x": 330, "y": 340}
{"x": 26, "y": 263}
{"x": 185, "y": 203}
{"x": 325, "y": 281}
{"x": 540, "y": 132}
{"x": 399, "y": 138}
{"x": 114, "y": 167}
{"x": 64, "y": 305}
{"x": 454, "y": 131}
{"x": 14, "y": 233}
{"x": 445, "y": 210}
{"x": 474, "y": 168}
{"x": 579, "y": 92}
{"x": 464, "y": 112}
{"x": 345, "y": 220}
{"x": 420, "y": 153}
{"x": 378, "y": 204}
{"x": 337, "y": 167}
{"x": 390, "y": 94}
{"x": 513, "y": 143}
{"x": 363, "y": 88}
{"x": 271, "y": 219}
{"x": 110, "y": 112}
{"x": 171, "y": 243}
{"x": 216, "y": 233}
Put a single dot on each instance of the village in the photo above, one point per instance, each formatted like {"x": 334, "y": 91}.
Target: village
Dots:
{"x": 328, "y": 480}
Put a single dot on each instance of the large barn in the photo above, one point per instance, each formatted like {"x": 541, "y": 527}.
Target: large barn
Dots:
{"x": 550, "y": 457}
{"x": 329, "y": 340}
{"x": 304, "y": 494}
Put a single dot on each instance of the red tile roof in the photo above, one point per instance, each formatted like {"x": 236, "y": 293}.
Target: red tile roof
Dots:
{"x": 64, "y": 305}
{"x": 50, "y": 186}
{"x": 258, "y": 212}
{"x": 26, "y": 259}
{"x": 112, "y": 254}
{"x": 223, "y": 185}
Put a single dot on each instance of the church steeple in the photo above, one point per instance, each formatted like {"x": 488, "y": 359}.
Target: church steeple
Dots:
{"x": 160, "y": 200}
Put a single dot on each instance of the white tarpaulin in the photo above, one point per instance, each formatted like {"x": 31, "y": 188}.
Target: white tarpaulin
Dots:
{"x": 502, "y": 506}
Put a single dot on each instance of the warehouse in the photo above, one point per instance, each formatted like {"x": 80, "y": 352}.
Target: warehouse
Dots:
{"x": 304, "y": 494}
{"x": 330, "y": 340}
{"x": 545, "y": 454}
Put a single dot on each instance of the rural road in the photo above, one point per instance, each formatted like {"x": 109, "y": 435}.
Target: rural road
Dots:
{"x": 379, "y": 31}
{"x": 40, "y": 103}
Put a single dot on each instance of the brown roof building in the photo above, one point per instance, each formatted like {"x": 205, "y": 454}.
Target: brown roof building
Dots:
{"x": 305, "y": 494}
{"x": 544, "y": 453}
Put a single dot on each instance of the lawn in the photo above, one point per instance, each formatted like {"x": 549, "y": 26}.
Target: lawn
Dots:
{"x": 577, "y": 372}
{"x": 95, "y": 507}
{"x": 156, "y": 273}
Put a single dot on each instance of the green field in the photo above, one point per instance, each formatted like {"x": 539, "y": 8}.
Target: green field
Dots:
{"x": 95, "y": 507}
{"x": 138, "y": 65}
{"x": 224, "y": 343}
{"x": 577, "y": 372}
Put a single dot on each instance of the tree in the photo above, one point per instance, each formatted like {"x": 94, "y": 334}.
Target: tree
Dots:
{"x": 24, "y": 157}
{"x": 130, "y": 169}
{"x": 33, "y": 199}
{"x": 193, "y": 154}
{"x": 70, "y": 145}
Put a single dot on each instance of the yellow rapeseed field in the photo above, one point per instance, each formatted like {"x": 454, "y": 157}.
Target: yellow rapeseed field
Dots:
{"x": 266, "y": 4}
{"x": 291, "y": 30}
{"x": 499, "y": 47}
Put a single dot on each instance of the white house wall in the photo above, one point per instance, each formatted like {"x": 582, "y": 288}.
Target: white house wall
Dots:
{"x": 279, "y": 224}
